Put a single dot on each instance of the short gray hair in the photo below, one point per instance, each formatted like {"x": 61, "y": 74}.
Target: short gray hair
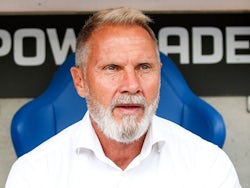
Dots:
{"x": 117, "y": 16}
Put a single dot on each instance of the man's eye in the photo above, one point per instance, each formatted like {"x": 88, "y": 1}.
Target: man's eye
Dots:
{"x": 111, "y": 67}
{"x": 144, "y": 67}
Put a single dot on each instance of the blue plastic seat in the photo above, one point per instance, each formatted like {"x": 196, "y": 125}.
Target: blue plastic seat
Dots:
{"x": 60, "y": 106}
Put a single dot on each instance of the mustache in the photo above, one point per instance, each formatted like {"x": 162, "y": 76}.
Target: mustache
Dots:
{"x": 128, "y": 99}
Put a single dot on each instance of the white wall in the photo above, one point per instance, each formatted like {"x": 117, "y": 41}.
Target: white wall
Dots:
{"x": 77, "y": 6}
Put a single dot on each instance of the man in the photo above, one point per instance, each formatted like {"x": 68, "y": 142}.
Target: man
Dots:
{"x": 120, "y": 142}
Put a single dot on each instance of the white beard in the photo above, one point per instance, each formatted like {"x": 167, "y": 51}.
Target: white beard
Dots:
{"x": 129, "y": 130}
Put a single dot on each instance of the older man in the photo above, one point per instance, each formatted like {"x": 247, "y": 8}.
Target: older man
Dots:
{"x": 120, "y": 142}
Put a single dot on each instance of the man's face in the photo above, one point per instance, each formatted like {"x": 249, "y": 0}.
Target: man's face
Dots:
{"x": 122, "y": 63}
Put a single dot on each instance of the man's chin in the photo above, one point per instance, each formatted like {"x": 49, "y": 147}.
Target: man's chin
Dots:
{"x": 127, "y": 140}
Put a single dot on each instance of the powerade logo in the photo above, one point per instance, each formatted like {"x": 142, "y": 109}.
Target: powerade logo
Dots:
{"x": 212, "y": 51}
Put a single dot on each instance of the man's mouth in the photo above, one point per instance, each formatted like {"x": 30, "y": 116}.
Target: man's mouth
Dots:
{"x": 129, "y": 109}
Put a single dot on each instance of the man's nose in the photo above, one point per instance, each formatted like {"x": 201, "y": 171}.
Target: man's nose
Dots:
{"x": 130, "y": 82}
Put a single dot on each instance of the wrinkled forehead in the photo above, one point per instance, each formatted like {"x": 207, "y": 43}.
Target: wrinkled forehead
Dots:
{"x": 121, "y": 37}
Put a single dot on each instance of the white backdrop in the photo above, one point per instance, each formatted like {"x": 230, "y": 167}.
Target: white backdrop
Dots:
{"x": 77, "y": 6}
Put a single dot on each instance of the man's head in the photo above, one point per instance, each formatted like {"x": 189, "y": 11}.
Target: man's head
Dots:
{"x": 118, "y": 72}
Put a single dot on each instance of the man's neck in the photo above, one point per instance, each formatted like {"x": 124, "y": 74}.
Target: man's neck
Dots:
{"x": 120, "y": 153}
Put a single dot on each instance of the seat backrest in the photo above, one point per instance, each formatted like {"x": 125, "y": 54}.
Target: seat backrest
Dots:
{"x": 60, "y": 106}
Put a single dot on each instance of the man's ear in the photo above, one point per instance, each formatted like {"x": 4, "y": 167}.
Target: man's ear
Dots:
{"x": 78, "y": 80}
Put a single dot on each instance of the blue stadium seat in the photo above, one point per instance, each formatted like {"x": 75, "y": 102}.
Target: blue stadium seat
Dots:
{"x": 59, "y": 106}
